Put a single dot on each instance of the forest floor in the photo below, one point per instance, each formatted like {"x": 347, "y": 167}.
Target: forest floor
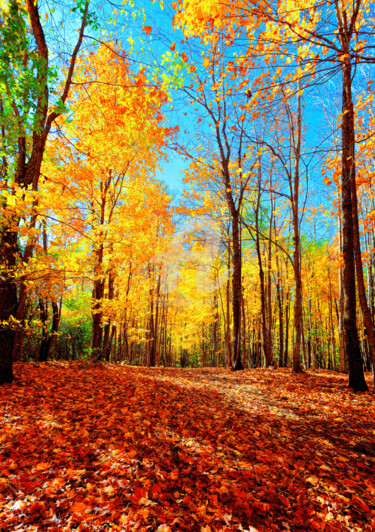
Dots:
{"x": 106, "y": 447}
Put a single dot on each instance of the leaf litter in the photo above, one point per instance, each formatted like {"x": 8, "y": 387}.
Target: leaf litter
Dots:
{"x": 119, "y": 448}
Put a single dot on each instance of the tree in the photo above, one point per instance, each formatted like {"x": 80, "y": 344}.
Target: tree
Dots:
{"x": 340, "y": 29}
{"x": 222, "y": 105}
{"x": 109, "y": 153}
{"x": 26, "y": 120}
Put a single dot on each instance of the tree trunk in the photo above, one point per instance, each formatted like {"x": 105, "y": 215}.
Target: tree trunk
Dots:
{"x": 281, "y": 321}
{"x": 156, "y": 340}
{"x": 297, "y": 246}
{"x": 244, "y": 335}
{"x": 263, "y": 301}
{"x": 236, "y": 295}
{"x": 97, "y": 313}
{"x": 44, "y": 344}
{"x": 331, "y": 324}
{"x": 228, "y": 344}
{"x": 8, "y": 305}
{"x": 151, "y": 326}
{"x": 287, "y": 315}
{"x": 48, "y": 336}
{"x": 356, "y": 376}
{"x": 365, "y": 309}
{"x": 215, "y": 331}
{"x": 56, "y": 315}
{"x": 269, "y": 276}
{"x": 107, "y": 342}
{"x": 340, "y": 312}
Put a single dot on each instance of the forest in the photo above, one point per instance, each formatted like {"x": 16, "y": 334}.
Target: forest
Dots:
{"x": 187, "y": 265}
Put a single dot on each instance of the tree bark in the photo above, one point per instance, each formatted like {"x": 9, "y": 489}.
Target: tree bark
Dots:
{"x": 297, "y": 245}
{"x": 287, "y": 315}
{"x": 236, "y": 295}
{"x": 153, "y": 317}
{"x": 263, "y": 302}
{"x": 44, "y": 344}
{"x": 228, "y": 345}
{"x": 365, "y": 309}
{"x": 97, "y": 313}
{"x": 8, "y": 304}
{"x": 356, "y": 376}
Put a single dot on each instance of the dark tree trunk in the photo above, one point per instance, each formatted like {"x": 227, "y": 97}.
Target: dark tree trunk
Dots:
{"x": 287, "y": 314}
{"x": 45, "y": 342}
{"x": 356, "y": 377}
{"x": 228, "y": 345}
{"x": 151, "y": 346}
{"x": 8, "y": 304}
{"x": 263, "y": 301}
{"x": 97, "y": 315}
{"x": 215, "y": 331}
{"x": 294, "y": 190}
{"x": 281, "y": 319}
{"x": 107, "y": 342}
{"x": 156, "y": 339}
{"x": 244, "y": 335}
{"x": 56, "y": 314}
{"x": 236, "y": 295}
{"x": 365, "y": 309}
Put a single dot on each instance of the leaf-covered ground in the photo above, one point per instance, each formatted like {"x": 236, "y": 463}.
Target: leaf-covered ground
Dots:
{"x": 102, "y": 448}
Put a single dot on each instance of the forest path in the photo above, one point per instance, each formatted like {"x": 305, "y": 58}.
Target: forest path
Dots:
{"x": 109, "y": 447}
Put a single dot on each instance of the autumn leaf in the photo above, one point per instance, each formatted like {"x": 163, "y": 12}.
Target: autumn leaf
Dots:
{"x": 78, "y": 507}
{"x": 190, "y": 451}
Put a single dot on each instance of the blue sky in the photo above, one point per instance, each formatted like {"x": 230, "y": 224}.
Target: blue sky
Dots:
{"x": 172, "y": 174}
